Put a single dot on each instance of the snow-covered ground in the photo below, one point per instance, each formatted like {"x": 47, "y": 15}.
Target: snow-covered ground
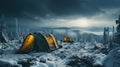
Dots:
{"x": 75, "y": 54}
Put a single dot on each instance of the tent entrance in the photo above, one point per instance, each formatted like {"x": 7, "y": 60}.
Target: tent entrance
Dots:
{"x": 28, "y": 43}
{"x": 51, "y": 41}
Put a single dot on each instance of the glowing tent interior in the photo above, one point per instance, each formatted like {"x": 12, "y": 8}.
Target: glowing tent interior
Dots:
{"x": 67, "y": 39}
{"x": 38, "y": 42}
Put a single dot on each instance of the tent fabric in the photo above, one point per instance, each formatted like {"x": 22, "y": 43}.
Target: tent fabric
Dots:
{"x": 40, "y": 42}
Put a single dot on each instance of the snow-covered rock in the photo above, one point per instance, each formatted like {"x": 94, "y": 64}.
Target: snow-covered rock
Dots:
{"x": 113, "y": 58}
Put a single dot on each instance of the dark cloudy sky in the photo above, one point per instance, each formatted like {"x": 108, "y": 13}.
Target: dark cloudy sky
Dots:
{"x": 92, "y": 15}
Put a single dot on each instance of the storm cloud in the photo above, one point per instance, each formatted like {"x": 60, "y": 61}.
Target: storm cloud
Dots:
{"x": 60, "y": 13}
{"x": 31, "y": 9}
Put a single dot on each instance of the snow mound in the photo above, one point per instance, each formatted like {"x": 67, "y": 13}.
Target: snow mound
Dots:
{"x": 69, "y": 55}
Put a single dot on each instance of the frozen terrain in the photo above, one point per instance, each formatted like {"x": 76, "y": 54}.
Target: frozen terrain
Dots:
{"x": 77, "y": 54}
